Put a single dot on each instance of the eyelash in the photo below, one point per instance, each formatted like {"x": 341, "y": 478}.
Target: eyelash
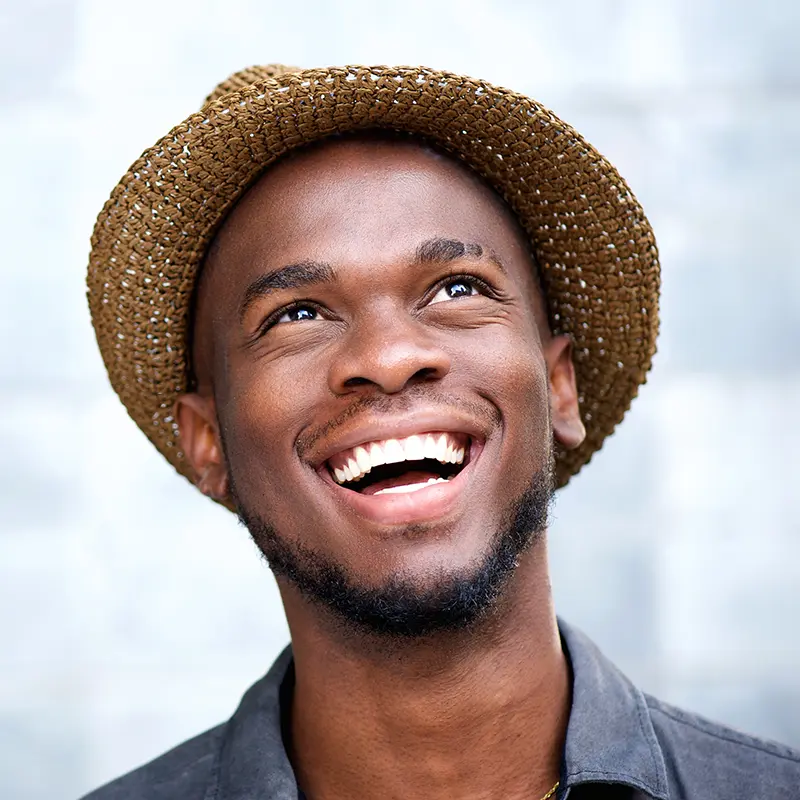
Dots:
{"x": 481, "y": 285}
{"x": 463, "y": 277}
{"x": 273, "y": 318}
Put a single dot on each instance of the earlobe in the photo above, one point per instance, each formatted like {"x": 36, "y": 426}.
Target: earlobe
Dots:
{"x": 568, "y": 427}
{"x": 200, "y": 441}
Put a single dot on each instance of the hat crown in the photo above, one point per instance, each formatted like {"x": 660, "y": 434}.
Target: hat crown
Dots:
{"x": 247, "y": 77}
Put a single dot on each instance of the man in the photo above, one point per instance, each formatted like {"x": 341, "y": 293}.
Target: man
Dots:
{"x": 382, "y": 314}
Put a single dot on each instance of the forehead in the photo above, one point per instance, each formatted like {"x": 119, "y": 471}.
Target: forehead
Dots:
{"x": 349, "y": 201}
{"x": 362, "y": 205}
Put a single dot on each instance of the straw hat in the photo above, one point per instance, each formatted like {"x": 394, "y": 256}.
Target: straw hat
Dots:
{"x": 594, "y": 246}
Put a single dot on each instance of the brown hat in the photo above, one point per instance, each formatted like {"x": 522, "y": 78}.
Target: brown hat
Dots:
{"x": 594, "y": 246}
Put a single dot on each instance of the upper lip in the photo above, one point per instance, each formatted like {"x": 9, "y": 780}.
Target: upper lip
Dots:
{"x": 396, "y": 427}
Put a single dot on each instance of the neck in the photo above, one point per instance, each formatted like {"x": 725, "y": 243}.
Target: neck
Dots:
{"x": 481, "y": 713}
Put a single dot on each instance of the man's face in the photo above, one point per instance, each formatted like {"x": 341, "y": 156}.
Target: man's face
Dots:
{"x": 372, "y": 358}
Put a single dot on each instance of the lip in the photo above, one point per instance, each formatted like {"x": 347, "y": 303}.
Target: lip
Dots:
{"x": 393, "y": 427}
{"x": 424, "y": 505}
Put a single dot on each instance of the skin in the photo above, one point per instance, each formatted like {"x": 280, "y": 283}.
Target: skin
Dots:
{"x": 477, "y": 713}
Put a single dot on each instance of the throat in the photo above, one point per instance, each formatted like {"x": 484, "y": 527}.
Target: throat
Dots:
{"x": 418, "y": 745}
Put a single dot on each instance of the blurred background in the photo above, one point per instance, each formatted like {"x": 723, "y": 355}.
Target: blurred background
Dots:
{"x": 134, "y": 613}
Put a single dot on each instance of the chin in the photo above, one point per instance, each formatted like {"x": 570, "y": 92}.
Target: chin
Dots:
{"x": 441, "y": 579}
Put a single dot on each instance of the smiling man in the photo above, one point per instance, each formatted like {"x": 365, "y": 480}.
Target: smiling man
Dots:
{"x": 382, "y": 315}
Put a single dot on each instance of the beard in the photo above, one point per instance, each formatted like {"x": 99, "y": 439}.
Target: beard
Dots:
{"x": 400, "y": 608}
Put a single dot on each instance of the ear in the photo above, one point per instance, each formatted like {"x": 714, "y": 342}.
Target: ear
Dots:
{"x": 568, "y": 426}
{"x": 199, "y": 434}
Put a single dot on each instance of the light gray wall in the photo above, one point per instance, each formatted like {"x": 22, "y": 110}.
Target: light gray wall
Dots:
{"x": 133, "y": 613}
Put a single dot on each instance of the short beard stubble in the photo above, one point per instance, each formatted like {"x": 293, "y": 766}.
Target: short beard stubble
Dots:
{"x": 399, "y": 608}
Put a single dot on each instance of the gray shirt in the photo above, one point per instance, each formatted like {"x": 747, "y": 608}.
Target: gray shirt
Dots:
{"x": 621, "y": 743}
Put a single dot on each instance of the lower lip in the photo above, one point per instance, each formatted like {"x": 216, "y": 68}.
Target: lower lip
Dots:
{"x": 404, "y": 508}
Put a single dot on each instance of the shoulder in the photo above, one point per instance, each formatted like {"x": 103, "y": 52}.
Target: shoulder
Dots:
{"x": 182, "y": 773}
{"x": 706, "y": 759}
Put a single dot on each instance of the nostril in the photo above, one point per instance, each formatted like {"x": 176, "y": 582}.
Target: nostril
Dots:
{"x": 425, "y": 374}
{"x": 351, "y": 382}
{"x": 420, "y": 376}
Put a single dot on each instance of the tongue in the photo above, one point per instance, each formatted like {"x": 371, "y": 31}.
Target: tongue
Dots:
{"x": 408, "y": 481}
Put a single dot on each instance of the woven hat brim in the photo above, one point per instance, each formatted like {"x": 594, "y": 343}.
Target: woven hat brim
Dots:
{"x": 594, "y": 246}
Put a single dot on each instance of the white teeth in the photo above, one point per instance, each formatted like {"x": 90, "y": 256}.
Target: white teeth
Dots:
{"x": 394, "y": 451}
{"x": 430, "y": 449}
{"x": 376, "y": 455}
{"x": 363, "y": 460}
{"x": 410, "y": 487}
{"x": 415, "y": 448}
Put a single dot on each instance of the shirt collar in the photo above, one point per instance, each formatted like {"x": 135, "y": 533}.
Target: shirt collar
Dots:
{"x": 252, "y": 762}
{"x": 610, "y": 737}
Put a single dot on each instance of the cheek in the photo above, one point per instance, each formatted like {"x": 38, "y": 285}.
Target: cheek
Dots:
{"x": 527, "y": 411}
{"x": 508, "y": 363}
{"x": 510, "y": 370}
{"x": 528, "y": 387}
{"x": 263, "y": 411}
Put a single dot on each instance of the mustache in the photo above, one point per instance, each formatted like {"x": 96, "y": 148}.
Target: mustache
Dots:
{"x": 404, "y": 403}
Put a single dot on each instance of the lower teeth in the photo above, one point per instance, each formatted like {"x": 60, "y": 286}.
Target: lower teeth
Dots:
{"x": 412, "y": 487}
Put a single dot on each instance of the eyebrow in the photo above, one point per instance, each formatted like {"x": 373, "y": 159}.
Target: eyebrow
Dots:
{"x": 292, "y": 276}
{"x": 442, "y": 251}
{"x": 438, "y": 250}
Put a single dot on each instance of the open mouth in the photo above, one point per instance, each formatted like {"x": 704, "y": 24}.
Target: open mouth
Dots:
{"x": 395, "y": 466}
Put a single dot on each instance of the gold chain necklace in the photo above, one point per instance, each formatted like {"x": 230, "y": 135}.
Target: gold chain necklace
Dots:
{"x": 552, "y": 791}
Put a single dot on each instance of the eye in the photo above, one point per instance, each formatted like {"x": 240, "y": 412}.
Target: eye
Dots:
{"x": 287, "y": 317}
{"x": 455, "y": 288}
{"x": 298, "y": 314}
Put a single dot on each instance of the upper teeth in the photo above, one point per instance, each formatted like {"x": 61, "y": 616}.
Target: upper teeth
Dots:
{"x": 354, "y": 464}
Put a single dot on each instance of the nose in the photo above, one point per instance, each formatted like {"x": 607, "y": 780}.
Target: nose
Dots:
{"x": 387, "y": 352}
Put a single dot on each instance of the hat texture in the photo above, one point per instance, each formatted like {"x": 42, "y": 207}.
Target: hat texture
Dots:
{"x": 594, "y": 246}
